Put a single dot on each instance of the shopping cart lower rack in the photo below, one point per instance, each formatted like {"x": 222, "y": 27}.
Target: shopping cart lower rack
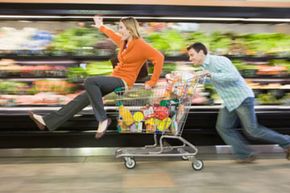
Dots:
{"x": 163, "y": 111}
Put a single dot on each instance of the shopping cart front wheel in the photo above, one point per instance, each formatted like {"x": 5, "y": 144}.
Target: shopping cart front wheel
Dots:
{"x": 129, "y": 162}
{"x": 197, "y": 165}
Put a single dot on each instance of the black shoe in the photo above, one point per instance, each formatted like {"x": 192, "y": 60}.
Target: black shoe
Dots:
{"x": 101, "y": 134}
{"x": 39, "y": 125}
{"x": 247, "y": 160}
{"x": 287, "y": 150}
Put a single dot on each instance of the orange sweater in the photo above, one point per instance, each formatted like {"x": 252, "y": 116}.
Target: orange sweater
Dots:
{"x": 133, "y": 57}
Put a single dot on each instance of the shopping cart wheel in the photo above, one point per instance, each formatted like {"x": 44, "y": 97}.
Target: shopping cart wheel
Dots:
{"x": 184, "y": 157}
{"x": 130, "y": 162}
{"x": 182, "y": 151}
{"x": 197, "y": 165}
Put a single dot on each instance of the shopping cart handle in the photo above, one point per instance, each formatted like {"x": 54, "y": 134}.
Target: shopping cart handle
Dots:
{"x": 119, "y": 91}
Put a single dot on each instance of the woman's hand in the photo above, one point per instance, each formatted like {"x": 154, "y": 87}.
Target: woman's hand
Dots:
{"x": 98, "y": 21}
{"x": 147, "y": 86}
{"x": 169, "y": 77}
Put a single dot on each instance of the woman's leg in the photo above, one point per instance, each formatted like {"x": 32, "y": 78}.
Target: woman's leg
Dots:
{"x": 56, "y": 119}
{"x": 96, "y": 88}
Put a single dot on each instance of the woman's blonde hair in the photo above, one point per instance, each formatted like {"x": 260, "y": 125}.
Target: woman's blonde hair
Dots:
{"x": 132, "y": 26}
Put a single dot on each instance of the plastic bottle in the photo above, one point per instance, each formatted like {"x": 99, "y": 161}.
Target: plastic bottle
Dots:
{"x": 125, "y": 114}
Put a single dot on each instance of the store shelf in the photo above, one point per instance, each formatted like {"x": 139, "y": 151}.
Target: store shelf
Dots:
{"x": 73, "y": 58}
{"x": 65, "y": 59}
{"x": 88, "y": 110}
{"x": 29, "y": 79}
{"x": 273, "y": 88}
{"x": 17, "y": 130}
{"x": 272, "y": 80}
{"x": 247, "y": 58}
{"x": 80, "y": 130}
{"x": 173, "y": 12}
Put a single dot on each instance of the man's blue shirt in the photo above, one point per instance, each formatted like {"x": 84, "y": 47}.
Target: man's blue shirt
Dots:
{"x": 227, "y": 80}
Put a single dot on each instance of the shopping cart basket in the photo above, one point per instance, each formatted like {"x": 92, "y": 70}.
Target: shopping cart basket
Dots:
{"x": 162, "y": 111}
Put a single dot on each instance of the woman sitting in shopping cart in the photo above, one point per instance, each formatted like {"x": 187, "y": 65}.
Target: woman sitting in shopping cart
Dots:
{"x": 133, "y": 53}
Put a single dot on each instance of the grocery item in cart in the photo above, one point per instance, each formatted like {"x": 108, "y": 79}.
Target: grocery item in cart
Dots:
{"x": 148, "y": 111}
{"x": 176, "y": 83}
{"x": 125, "y": 114}
{"x": 122, "y": 128}
{"x": 156, "y": 110}
{"x": 150, "y": 125}
{"x": 164, "y": 124}
{"x": 139, "y": 118}
{"x": 164, "y": 115}
{"x": 161, "y": 112}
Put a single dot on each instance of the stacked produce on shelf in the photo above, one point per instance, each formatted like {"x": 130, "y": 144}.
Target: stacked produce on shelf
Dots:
{"x": 220, "y": 43}
{"x": 170, "y": 39}
{"x": 253, "y": 50}
{"x": 246, "y": 69}
{"x": 36, "y": 86}
{"x": 55, "y": 86}
{"x": 276, "y": 67}
{"x": 272, "y": 70}
{"x": 42, "y": 98}
{"x": 77, "y": 41}
{"x": 32, "y": 71}
{"x": 44, "y": 92}
{"x": 10, "y": 87}
{"x": 275, "y": 97}
{"x": 268, "y": 92}
{"x": 170, "y": 42}
{"x": 260, "y": 44}
{"x": 263, "y": 69}
{"x": 198, "y": 37}
{"x": 78, "y": 74}
{"x": 24, "y": 41}
{"x": 9, "y": 69}
{"x": 26, "y": 84}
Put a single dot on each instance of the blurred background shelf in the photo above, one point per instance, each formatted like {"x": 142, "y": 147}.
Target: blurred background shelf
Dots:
{"x": 73, "y": 58}
{"x": 48, "y": 49}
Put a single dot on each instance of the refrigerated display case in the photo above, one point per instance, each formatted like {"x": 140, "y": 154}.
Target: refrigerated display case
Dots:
{"x": 47, "y": 50}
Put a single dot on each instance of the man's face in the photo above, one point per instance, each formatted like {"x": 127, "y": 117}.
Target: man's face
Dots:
{"x": 197, "y": 58}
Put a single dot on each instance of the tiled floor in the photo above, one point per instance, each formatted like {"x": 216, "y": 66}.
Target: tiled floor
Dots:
{"x": 270, "y": 174}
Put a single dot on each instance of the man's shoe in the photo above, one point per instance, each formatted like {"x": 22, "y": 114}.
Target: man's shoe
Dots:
{"x": 101, "y": 134}
{"x": 287, "y": 150}
{"x": 248, "y": 160}
{"x": 38, "y": 124}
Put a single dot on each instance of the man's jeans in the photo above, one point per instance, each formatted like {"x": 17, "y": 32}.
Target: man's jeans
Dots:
{"x": 228, "y": 121}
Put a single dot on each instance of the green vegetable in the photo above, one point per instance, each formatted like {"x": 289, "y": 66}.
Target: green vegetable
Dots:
{"x": 76, "y": 40}
{"x": 171, "y": 42}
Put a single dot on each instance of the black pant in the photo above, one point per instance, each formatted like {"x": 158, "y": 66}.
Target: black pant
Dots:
{"x": 95, "y": 89}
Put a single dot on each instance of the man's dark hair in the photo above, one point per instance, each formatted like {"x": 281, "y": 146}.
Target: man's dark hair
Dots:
{"x": 197, "y": 46}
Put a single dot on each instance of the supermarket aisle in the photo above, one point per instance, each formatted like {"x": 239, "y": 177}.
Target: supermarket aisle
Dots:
{"x": 106, "y": 174}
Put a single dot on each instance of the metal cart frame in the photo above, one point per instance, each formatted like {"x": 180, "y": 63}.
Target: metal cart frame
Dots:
{"x": 186, "y": 151}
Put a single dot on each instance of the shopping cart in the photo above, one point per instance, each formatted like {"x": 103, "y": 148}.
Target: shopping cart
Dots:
{"x": 162, "y": 111}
